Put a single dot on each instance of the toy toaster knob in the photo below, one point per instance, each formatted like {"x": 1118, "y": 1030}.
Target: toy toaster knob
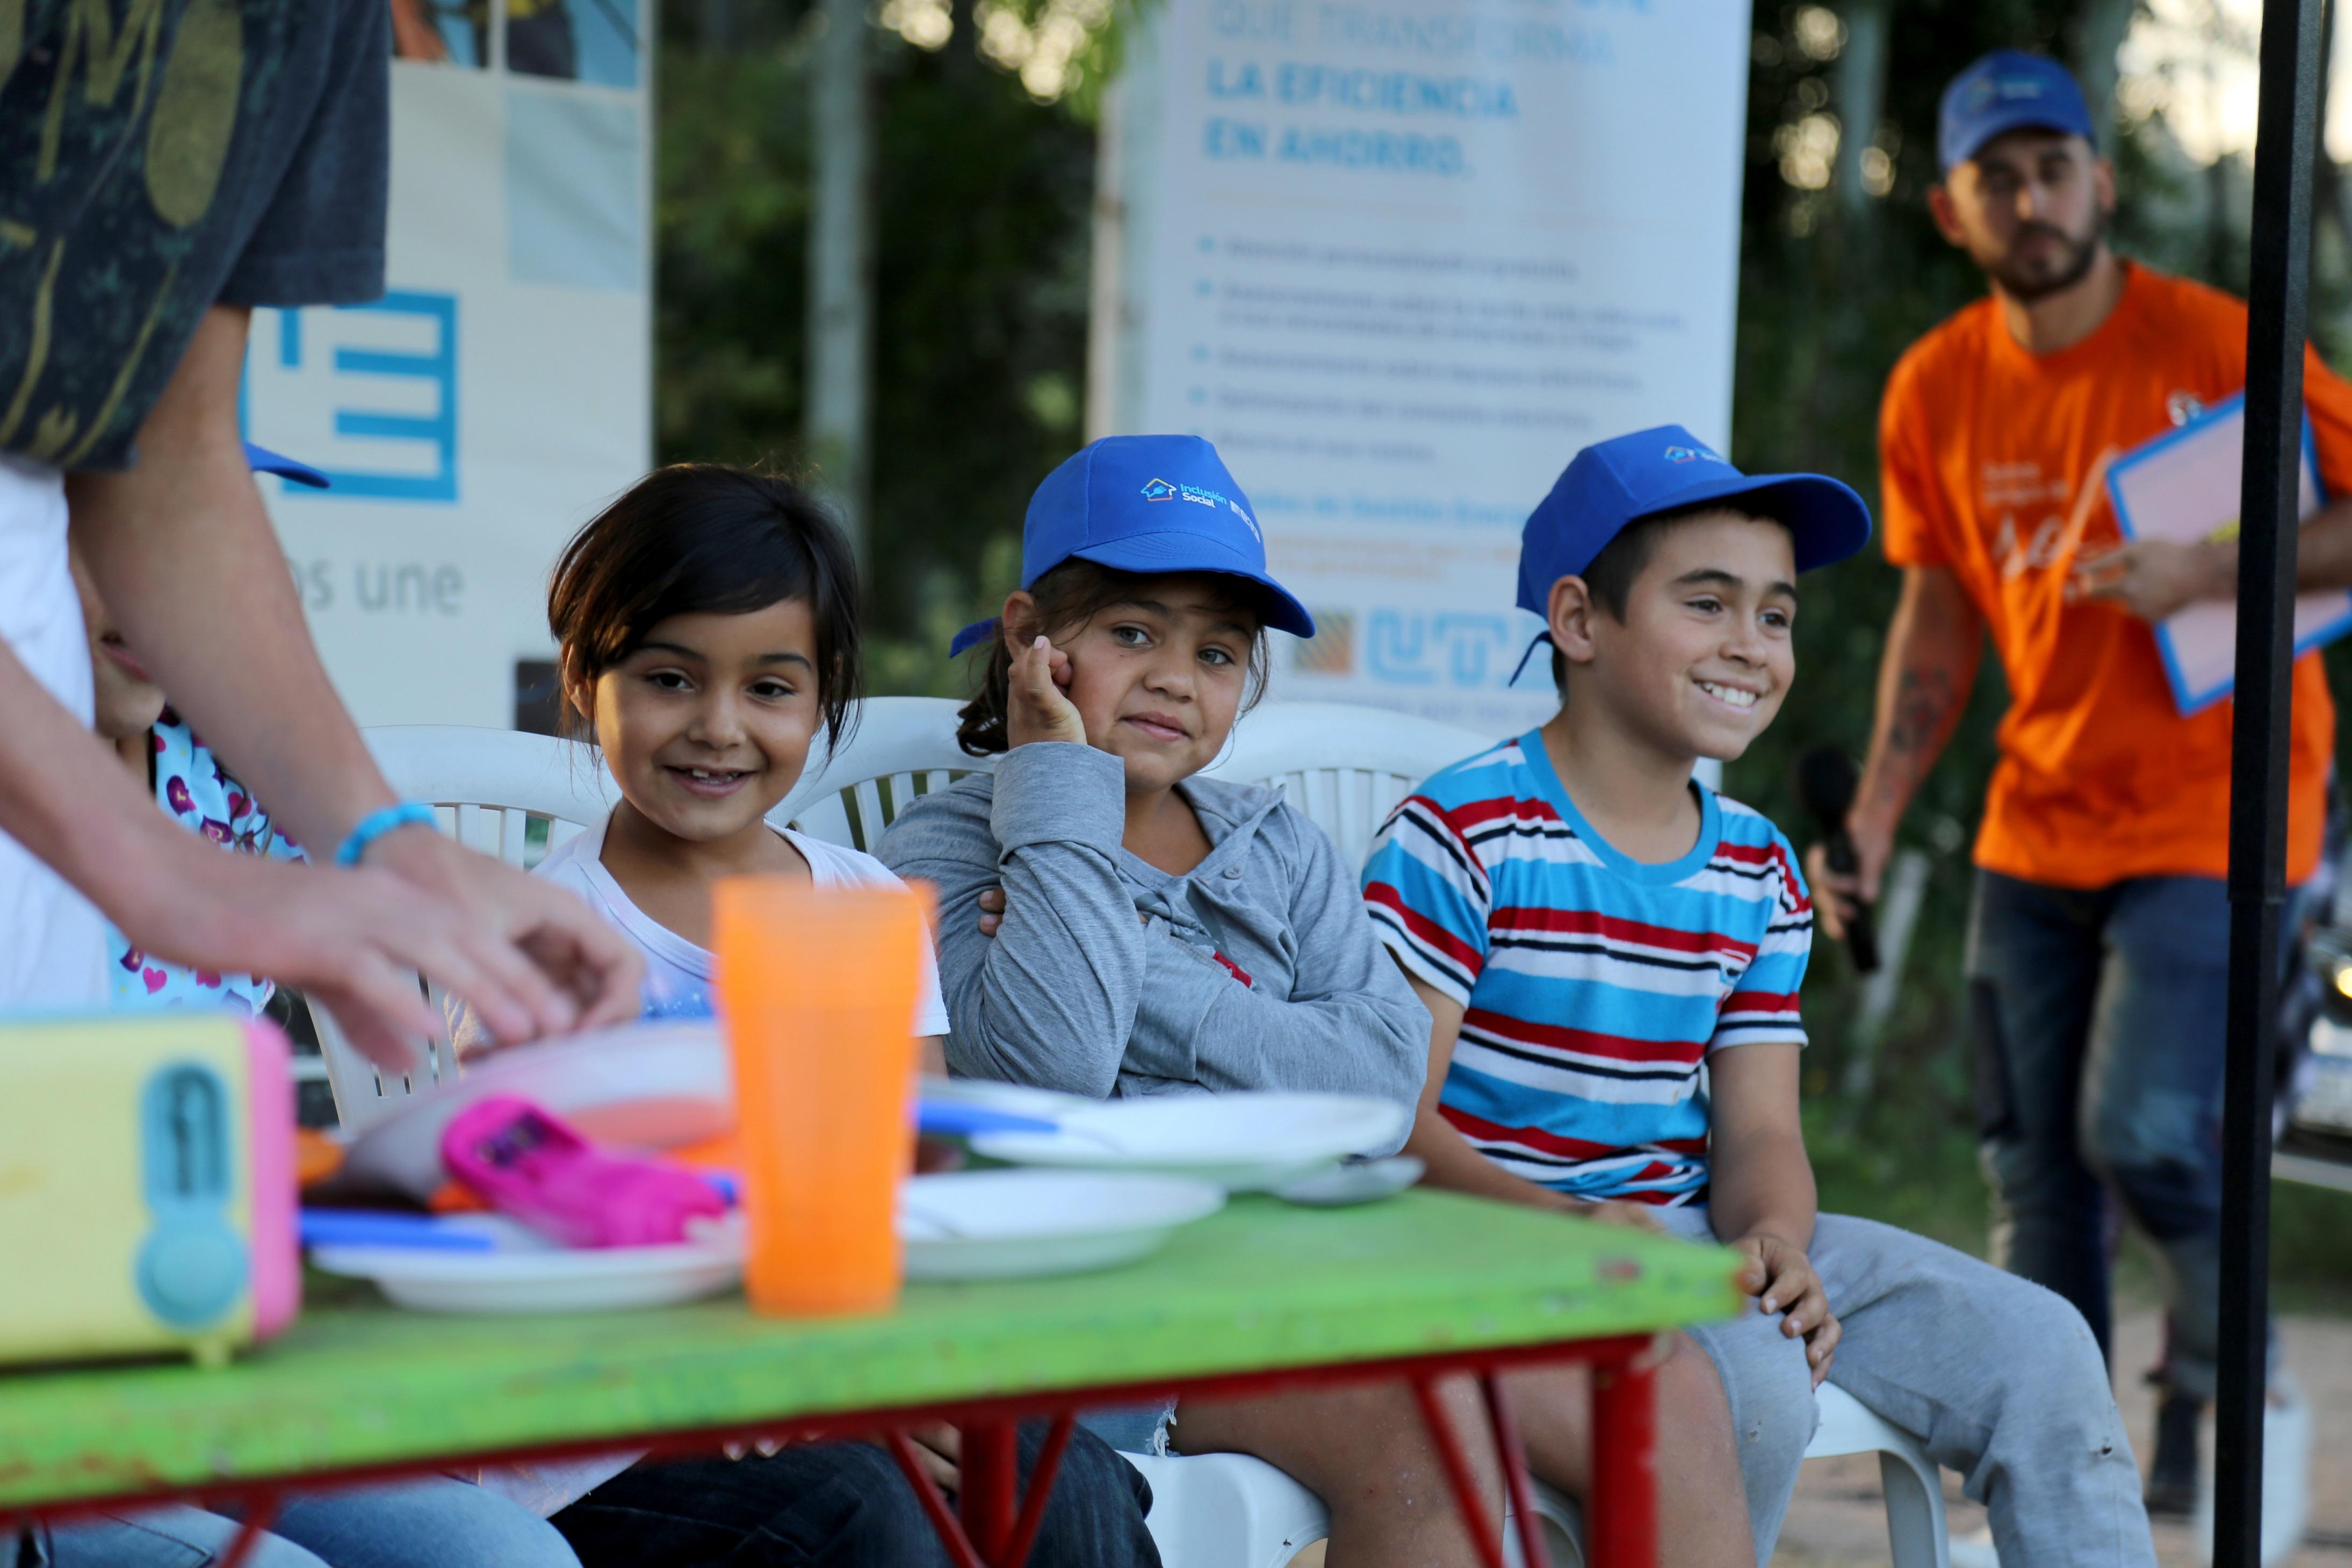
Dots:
{"x": 192, "y": 1273}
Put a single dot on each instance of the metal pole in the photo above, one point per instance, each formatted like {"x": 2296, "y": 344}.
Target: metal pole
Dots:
{"x": 2286, "y": 134}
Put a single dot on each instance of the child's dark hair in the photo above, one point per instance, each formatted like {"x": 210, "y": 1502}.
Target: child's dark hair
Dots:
{"x": 1069, "y": 596}
{"x": 1611, "y": 577}
{"x": 706, "y": 538}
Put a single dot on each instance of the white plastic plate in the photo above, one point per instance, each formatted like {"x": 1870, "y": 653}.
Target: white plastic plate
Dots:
{"x": 1001, "y": 1225}
{"x": 1345, "y": 1186}
{"x": 529, "y": 1273}
{"x": 640, "y": 1086}
{"x": 1244, "y": 1143}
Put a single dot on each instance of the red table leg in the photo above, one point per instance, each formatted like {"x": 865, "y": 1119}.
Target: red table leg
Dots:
{"x": 1622, "y": 1521}
{"x": 989, "y": 1497}
{"x": 1533, "y": 1551}
{"x": 258, "y": 1518}
{"x": 935, "y": 1507}
{"x": 1467, "y": 1498}
{"x": 1041, "y": 1492}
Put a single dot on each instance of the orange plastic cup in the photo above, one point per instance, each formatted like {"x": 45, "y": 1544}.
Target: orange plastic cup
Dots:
{"x": 816, "y": 992}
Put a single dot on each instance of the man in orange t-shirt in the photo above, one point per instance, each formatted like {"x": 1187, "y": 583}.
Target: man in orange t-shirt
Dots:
{"x": 2098, "y": 940}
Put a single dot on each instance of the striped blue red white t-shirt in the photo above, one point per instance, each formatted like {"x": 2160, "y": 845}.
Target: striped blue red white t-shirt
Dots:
{"x": 1594, "y": 984}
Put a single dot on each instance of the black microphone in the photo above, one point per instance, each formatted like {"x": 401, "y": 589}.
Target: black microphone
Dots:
{"x": 1826, "y": 782}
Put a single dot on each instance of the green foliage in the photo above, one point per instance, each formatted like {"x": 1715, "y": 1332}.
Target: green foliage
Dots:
{"x": 982, "y": 206}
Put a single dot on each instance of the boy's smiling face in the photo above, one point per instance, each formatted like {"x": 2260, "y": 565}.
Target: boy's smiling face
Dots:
{"x": 1703, "y": 656}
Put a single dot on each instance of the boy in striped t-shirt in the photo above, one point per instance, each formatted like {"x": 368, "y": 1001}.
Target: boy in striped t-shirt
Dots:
{"x": 1612, "y": 952}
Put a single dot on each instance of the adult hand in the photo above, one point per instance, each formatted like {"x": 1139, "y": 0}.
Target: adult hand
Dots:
{"x": 351, "y": 941}
{"x": 1038, "y": 707}
{"x": 1780, "y": 1274}
{"x": 538, "y": 961}
{"x": 2154, "y": 578}
{"x": 1837, "y": 894}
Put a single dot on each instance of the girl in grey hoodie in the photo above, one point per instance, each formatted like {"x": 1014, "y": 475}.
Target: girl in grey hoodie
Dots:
{"x": 1112, "y": 925}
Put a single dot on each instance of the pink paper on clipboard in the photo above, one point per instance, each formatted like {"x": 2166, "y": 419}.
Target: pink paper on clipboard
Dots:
{"x": 2184, "y": 486}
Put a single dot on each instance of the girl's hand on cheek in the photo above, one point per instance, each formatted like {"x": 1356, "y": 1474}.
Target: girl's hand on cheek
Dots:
{"x": 1037, "y": 707}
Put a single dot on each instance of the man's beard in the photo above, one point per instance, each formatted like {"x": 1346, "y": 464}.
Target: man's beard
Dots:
{"x": 2027, "y": 287}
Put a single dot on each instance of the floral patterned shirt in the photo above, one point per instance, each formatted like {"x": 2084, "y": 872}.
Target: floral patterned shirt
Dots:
{"x": 203, "y": 797}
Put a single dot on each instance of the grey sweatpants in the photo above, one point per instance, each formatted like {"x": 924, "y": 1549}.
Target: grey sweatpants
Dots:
{"x": 1998, "y": 1377}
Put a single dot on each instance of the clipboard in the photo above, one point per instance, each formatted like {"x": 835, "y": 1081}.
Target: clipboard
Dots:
{"x": 2184, "y": 486}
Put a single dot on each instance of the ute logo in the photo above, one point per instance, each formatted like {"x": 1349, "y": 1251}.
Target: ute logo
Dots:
{"x": 1159, "y": 490}
{"x": 1690, "y": 454}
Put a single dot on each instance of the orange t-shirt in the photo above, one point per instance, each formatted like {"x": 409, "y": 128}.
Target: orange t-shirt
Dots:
{"x": 1985, "y": 453}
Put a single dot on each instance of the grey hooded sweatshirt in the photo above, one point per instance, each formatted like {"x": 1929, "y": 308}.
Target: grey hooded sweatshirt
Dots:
{"x": 1258, "y": 969}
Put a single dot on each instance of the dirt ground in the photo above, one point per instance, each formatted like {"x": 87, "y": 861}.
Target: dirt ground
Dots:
{"x": 1838, "y": 1522}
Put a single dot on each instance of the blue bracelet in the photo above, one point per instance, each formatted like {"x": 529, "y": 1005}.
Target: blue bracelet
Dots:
{"x": 375, "y": 825}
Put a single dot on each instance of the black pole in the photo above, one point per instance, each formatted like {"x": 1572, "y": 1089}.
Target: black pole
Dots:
{"x": 2277, "y": 301}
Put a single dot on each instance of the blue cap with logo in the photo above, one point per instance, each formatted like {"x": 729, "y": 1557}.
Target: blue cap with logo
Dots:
{"x": 1147, "y": 504}
{"x": 2007, "y": 91}
{"x": 1614, "y": 483}
{"x": 261, "y": 460}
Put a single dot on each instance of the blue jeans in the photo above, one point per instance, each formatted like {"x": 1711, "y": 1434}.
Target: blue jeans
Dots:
{"x": 432, "y": 1522}
{"x": 437, "y": 1521}
{"x": 2097, "y": 1019}
{"x": 168, "y": 1535}
{"x": 843, "y": 1505}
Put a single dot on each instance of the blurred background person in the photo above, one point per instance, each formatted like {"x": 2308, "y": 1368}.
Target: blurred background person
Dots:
{"x": 2097, "y": 959}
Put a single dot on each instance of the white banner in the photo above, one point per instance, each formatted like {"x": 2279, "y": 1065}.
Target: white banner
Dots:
{"x": 500, "y": 391}
{"x": 1399, "y": 261}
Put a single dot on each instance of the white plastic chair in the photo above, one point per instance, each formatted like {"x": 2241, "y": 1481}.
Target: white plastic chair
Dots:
{"x": 486, "y": 784}
{"x": 1230, "y": 1510}
{"x": 900, "y": 747}
{"x": 1345, "y": 766}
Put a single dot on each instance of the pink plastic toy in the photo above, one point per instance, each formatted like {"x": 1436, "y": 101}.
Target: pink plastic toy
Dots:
{"x": 528, "y": 1165}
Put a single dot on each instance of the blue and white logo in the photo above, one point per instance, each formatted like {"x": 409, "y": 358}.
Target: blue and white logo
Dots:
{"x": 1159, "y": 490}
{"x": 1690, "y": 454}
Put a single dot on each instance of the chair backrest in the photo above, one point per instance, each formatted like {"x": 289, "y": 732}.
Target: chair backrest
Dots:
{"x": 489, "y": 787}
{"x": 1345, "y": 766}
{"x": 900, "y": 749}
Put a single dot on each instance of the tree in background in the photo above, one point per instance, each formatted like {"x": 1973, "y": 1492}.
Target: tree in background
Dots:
{"x": 982, "y": 206}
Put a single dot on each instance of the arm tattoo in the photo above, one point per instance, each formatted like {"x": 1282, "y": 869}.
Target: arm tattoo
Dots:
{"x": 1923, "y": 711}
{"x": 1927, "y": 700}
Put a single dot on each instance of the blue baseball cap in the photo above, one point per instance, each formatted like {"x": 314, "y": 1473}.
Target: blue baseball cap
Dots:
{"x": 1614, "y": 483}
{"x": 2007, "y": 91}
{"x": 261, "y": 460}
{"x": 1149, "y": 504}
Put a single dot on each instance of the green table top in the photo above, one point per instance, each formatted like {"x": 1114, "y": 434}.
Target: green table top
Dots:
{"x": 1261, "y": 1285}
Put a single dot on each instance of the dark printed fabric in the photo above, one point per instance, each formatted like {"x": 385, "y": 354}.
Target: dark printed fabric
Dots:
{"x": 844, "y": 1505}
{"x": 158, "y": 157}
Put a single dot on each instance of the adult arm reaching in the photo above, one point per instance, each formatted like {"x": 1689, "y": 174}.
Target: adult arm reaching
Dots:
{"x": 1934, "y": 644}
{"x": 182, "y": 550}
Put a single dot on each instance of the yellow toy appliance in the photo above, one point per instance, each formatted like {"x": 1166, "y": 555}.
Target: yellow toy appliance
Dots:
{"x": 147, "y": 1185}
